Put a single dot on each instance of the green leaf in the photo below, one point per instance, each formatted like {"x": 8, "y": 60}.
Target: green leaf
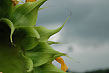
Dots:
{"x": 26, "y": 37}
{"x": 46, "y": 33}
{"x": 40, "y": 58}
{"x": 43, "y": 53}
{"x": 10, "y": 59}
{"x": 29, "y": 43}
{"x": 43, "y": 47}
{"x": 47, "y": 68}
{"x": 28, "y": 31}
{"x": 52, "y": 42}
{"x": 42, "y": 8}
{"x": 28, "y": 63}
{"x": 26, "y": 14}
{"x": 9, "y": 24}
{"x": 5, "y": 8}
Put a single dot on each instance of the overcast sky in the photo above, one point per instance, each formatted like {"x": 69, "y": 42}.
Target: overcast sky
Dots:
{"x": 85, "y": 35}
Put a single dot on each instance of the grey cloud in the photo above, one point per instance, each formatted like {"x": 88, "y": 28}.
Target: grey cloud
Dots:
{"x": 89, "y": 20}
{"x": 92, "y": 25}
{"x": 87, "y": 27}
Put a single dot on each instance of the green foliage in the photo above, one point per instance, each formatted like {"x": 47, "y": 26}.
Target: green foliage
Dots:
{"x": 24, "y": 47}
{"x": 47, "y": 68}
{"x": 26, "y": 14}
{"x": 5, "y": 8}
{"x": 9, "y": 24}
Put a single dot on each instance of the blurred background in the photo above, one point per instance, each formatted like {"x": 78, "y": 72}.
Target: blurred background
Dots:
{"x": 85, "y": 36}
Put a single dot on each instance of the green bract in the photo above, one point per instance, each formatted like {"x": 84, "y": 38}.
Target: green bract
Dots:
{"x": 24, "y": 47}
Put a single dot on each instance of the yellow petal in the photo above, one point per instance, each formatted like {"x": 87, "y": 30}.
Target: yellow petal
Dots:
{"x": 63, "y": 65}
{"x": 30, "y": 0}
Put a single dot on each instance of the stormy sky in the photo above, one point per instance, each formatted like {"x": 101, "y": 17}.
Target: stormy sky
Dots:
{"x": 85, "y": 36}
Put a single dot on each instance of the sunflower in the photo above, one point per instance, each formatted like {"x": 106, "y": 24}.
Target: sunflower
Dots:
{"x": 24, "y": 47}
